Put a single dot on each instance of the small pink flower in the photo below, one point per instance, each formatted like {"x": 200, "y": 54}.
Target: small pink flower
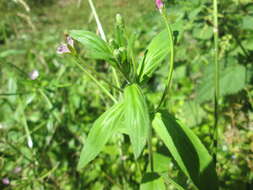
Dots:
{"x": 6, "y": 181}
{"x": 64, "y": 48}
{"x": 159, "y": 4}
{"x": 70, "y": 41}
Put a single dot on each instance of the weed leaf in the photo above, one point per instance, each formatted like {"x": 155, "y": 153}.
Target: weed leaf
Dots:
{"x": 136, "y": 118}
{"x": 95, "y": 47}
{"x": 232, "y": 80}
{"x": 187, "y": 150}
{"x": 102, "y": 130}
{"x": 157, "y": 50}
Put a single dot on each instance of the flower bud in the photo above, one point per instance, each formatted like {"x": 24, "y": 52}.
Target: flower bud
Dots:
{"x": 6, "y": 181}
{"x": 34, "y": 74}
{"x": 119, "y": 20}
{"x": 159, "y": 4}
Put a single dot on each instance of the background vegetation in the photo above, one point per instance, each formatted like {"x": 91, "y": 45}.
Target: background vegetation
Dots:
{"x": 44, "y": 122}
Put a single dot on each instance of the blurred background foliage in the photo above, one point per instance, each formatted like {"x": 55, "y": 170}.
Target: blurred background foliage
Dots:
{"x": 44, "y": 122}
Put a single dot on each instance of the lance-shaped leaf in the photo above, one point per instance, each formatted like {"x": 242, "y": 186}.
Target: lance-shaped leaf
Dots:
{"x": 95, "y": 47}
{"x": 136, "y": 118}
{"x": 157, "y": 50}
{"x": 187, "y": 150}
{"x": 102, "y": 130}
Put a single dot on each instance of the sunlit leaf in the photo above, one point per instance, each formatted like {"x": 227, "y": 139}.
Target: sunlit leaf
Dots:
{"x": 187, "y": 150}
{"x": 102, "y": 130}
{"x": 157, "y": 50}
{"x": 95, "y": 47}
{"x": 136, "y": 117}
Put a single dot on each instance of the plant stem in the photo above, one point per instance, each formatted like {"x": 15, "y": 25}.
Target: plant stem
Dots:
{"x": 216, "y": 79}
{"x": 151, "y": 159}
{"x": 166, "y": 90}
{"x": 102, "y": 78}
{"x": 97, "y": 82}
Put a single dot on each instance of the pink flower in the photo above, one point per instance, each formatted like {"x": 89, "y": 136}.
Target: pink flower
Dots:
{"x": 6, "y": 181}
{"x": 70, "y": 41}
{"x": 64, "y": 48}
{"x": 159, "y": 4}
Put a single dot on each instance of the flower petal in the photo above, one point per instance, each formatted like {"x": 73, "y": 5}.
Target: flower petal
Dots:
{"x": 63, "y": 48}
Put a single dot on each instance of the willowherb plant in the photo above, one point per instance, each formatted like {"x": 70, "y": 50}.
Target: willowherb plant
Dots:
{"x": 130, "y": 114}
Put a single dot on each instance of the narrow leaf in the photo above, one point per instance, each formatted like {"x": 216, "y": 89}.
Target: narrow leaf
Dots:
{"x": 95, "y": 47}
{"x": 102, "y": 130}
{"x": 187, "y": 150}
{"x": 157, "y": 50}
{"x": 136, "y": 118}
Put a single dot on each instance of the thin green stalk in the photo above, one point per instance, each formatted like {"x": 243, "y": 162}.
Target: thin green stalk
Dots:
{"x": 27, "y": 131}
{"x": 216, "y": 78}
{"x": 97, "y": 82}
{"x": 49, "y": 172}
{"x": 15, "y": 94}
{"x": 102, "y": 78}
{"x": 151, "y": 159}
{"x": 49, "y": 103}
{"x": 166, "y": 90}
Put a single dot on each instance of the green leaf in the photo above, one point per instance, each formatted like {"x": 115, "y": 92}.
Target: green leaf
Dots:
{"x": 96, "y": 48}
{"x": 192, "y": 113}
{"x": 152, "y": 181}
{"x": 136, "y": 118}
{"x": 203, "y": 32}
{"x": 247, "y": 22}
{"x": 232, "y": 80}
{"x": 158, "y": 49}
{"x": 187, "y": 150}
{"x": 11, "y": 52}
{"x": 102, "y": 130}
{"x": 161, "y": 164}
